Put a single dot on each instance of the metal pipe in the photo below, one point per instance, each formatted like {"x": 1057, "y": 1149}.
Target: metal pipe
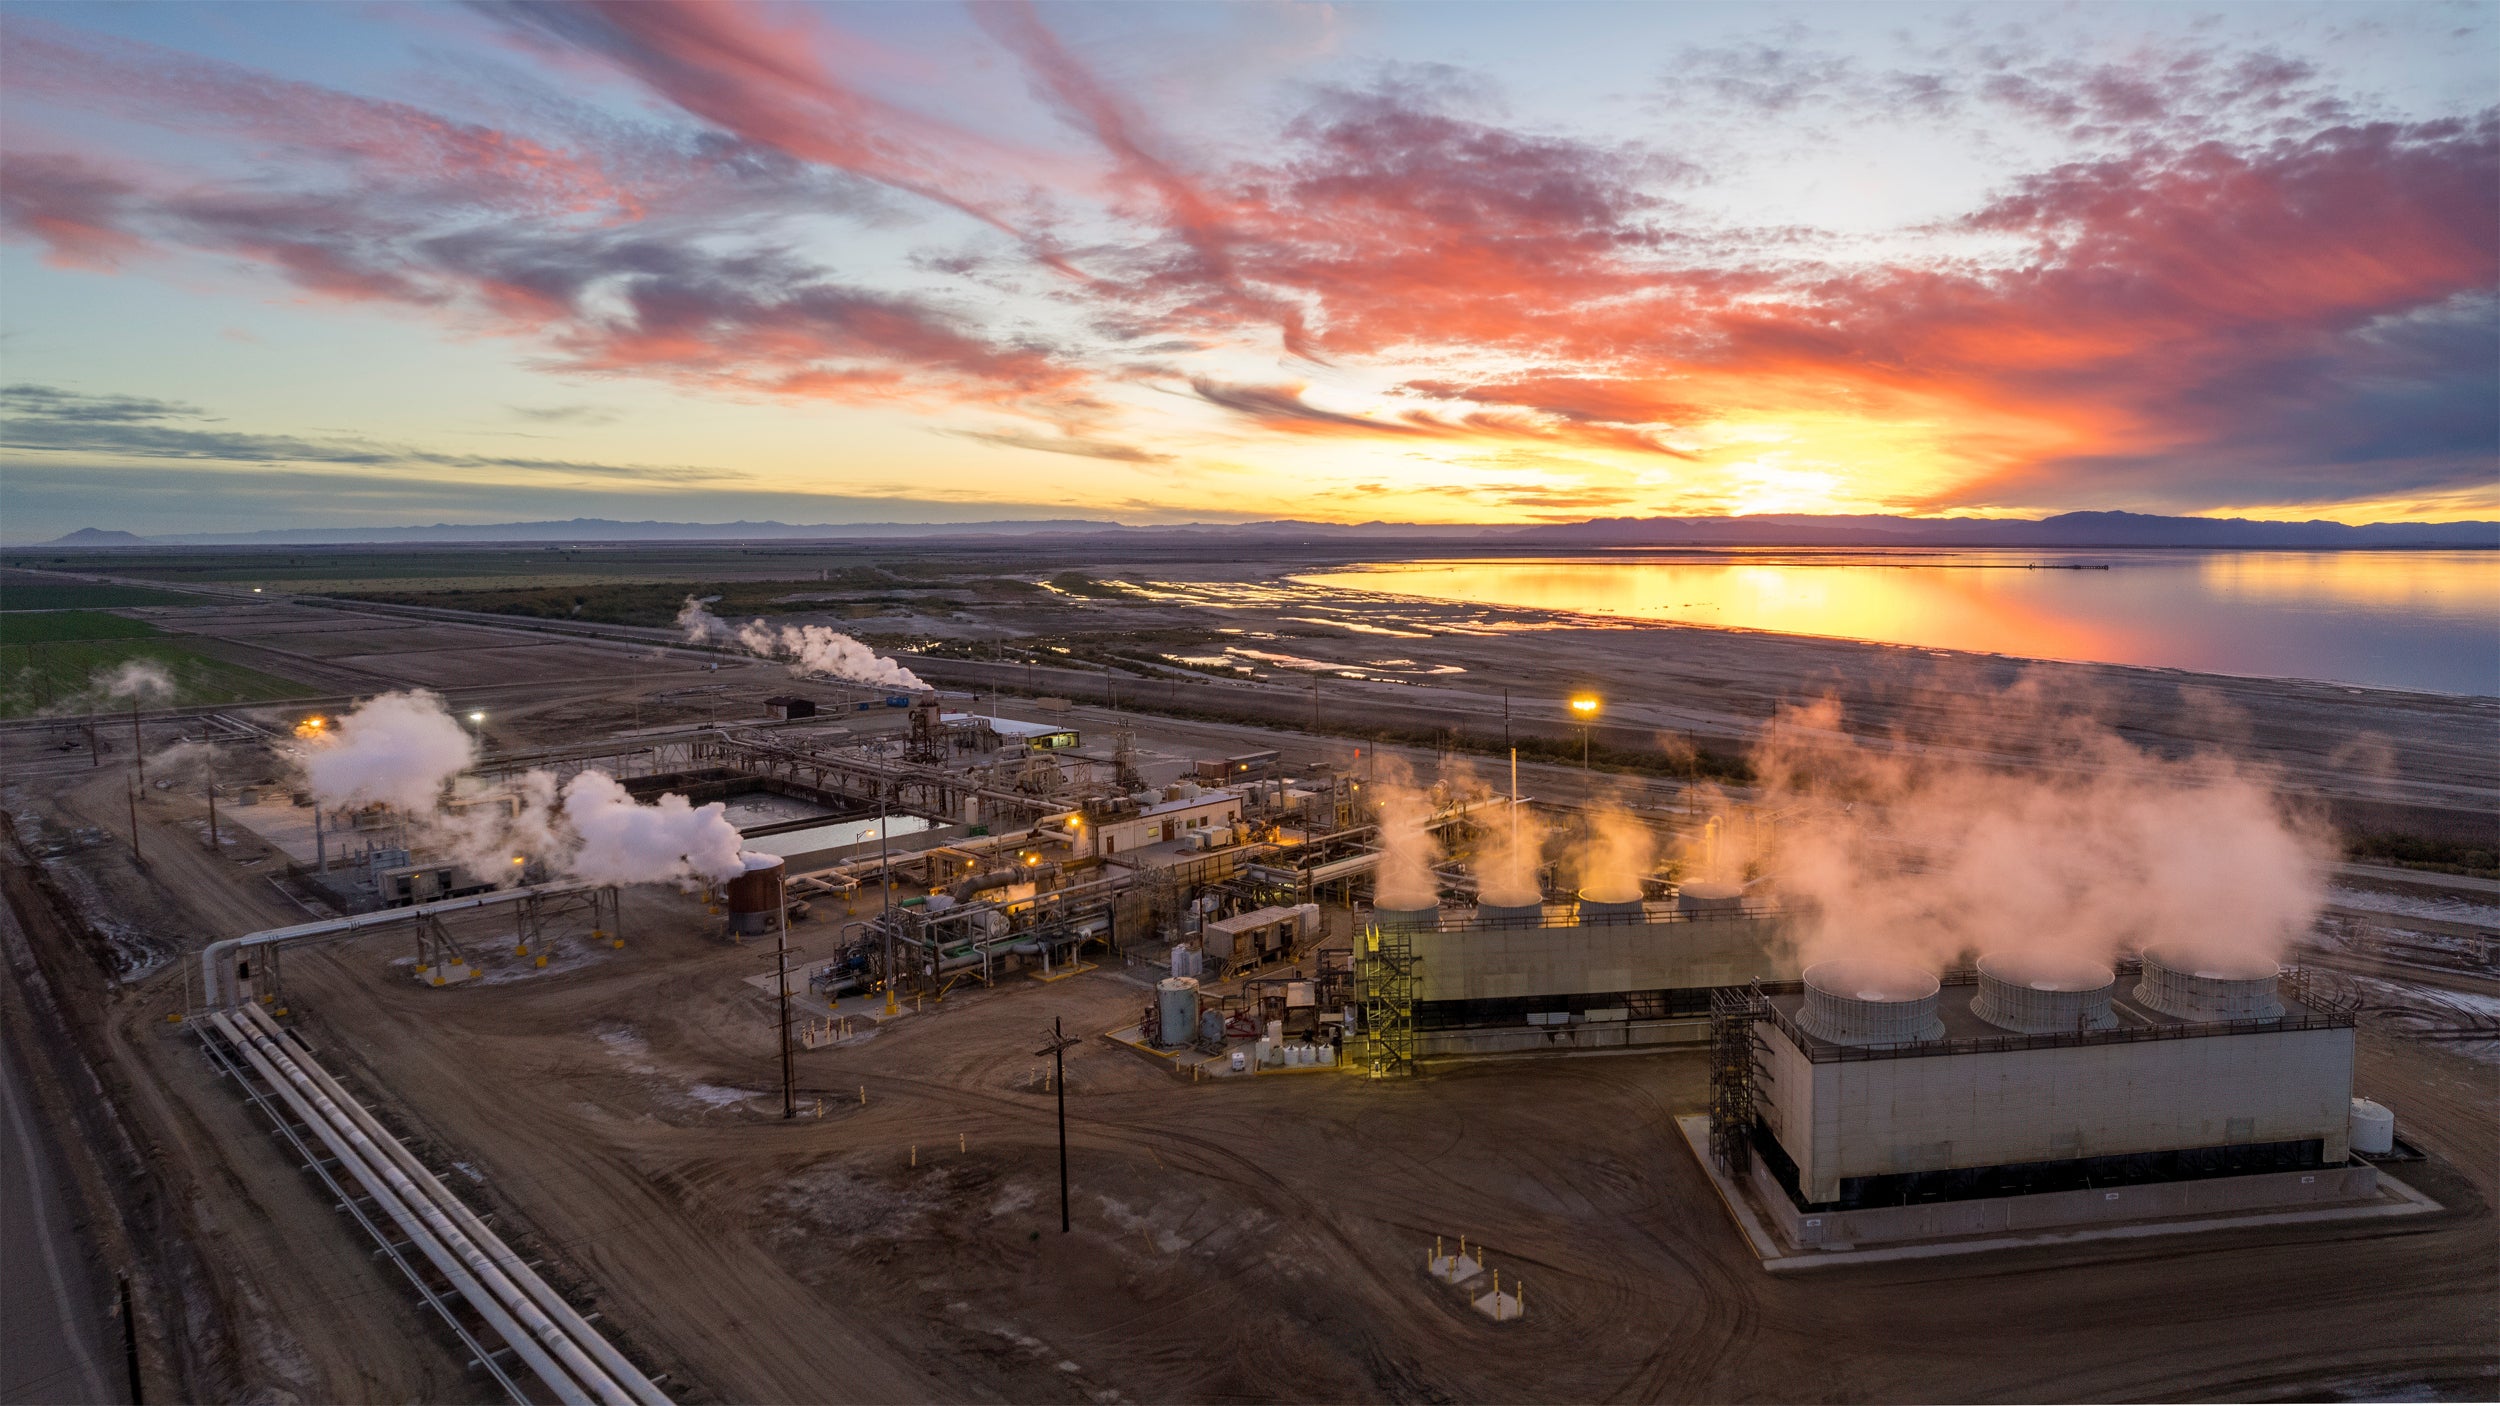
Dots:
{"x": 258, "y": 1049}
{"x": 219, "y": 985}
{"x": 596, "y": 1344}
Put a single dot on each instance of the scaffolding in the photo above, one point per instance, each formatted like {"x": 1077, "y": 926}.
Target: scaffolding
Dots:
{"x": 1733, "y": 1013}
{"x": 1384, "y": 981}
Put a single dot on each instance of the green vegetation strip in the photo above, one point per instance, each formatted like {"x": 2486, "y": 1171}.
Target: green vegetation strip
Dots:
{"x": 29, "y": 627}
{"x": 21, "y": 590}
{"x": 67, "y": 675}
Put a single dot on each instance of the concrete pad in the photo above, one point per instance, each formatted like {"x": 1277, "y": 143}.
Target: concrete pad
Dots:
{"x": 1456, "y": 1269}
{"x": 1501, "y": 1307}
{"x": 447, "y": 974}
{"x": 2394, "y": 1199}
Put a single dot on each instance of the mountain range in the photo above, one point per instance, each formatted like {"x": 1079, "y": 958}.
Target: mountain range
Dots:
{"x": 2080, "y": 529}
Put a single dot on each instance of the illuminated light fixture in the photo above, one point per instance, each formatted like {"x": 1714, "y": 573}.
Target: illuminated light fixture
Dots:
{"x": 1584, "y": 705}
{"x": 477, "y": 717}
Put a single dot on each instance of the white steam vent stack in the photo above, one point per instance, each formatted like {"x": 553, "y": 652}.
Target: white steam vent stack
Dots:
{"x": 2032, "y": 994}
{"x": 1854, "y": 1001}
{"x": 2180, "y": 983}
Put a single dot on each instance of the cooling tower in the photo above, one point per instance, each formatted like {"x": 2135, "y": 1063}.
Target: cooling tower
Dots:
{"x": 2177, "y": 982}
{"x": 1710, "y": 898}
{"x": 1526, "y": 915}
{"x": 1407, "y": 919}
{"x": 1860, "y": 1002}
{"x": 1612, "y": 910}
{"x": 2038, "y": 995}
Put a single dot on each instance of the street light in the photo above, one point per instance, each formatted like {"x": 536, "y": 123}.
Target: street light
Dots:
{"x": 478, "y": 717}
{"x": 1584, "y": 707}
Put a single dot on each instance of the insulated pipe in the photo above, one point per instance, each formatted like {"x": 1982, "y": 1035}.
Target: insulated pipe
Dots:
{"x": 221, "y": 989}
{"x": 251, "y": 1045}
{"x": 481, "y": 1265}
{"x": 591, "y": 1340}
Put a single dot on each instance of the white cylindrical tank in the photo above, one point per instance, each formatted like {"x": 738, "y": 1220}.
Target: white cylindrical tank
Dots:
{"x": 1260, "y": 1052}
{"x": 2373, "y": 1128}
{"x": 1176, "y": 1000}
{"x": 1328, "y": 1054}
{"x": 1180, "y": 959}
{"x": 1240, "y": 1061}
{"x": 2181, "y": 982}
{"x": 1857, "y": 1001}
{"x": 2035, "y": 994}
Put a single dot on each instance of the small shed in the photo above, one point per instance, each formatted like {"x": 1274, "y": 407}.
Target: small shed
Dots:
{"x": 790, "y": 705}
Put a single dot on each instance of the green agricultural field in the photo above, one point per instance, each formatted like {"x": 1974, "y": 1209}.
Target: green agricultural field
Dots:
{"x": 21, "y": 590}
{"x": 29, "y": 627}
{"x": 70, "y": 660}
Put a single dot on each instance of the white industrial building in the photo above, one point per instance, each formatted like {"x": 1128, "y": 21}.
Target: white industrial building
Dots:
{"x": 1883, "y": 1104}
{"x": 1108, "y": 833}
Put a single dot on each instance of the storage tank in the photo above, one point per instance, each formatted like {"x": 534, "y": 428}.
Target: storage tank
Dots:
{"x": 2181, "y": 983}
{"x": 2373, "y": 1128}
{"x": 1707, "y": 897}
{"x": 754, "y": 897}
{"x": 1859, "y": 1001}
{"x": 1176, "y": 1002}
{"x": 2035, "y": 994}
{"x": 1611, "y": 910}
{"x": 1211, "y": 1027}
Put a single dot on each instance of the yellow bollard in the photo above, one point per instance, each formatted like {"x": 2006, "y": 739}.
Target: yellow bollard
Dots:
{"x": 542, "y": 959}
{"x": 282, "y": 1010}
{"x": 962, "y": 1143}
{"x": 174, "y": 1019}
{"x": 521, "y": 950}
{"x": 863, "y": 1095}
{"x": 915, "y": 1154}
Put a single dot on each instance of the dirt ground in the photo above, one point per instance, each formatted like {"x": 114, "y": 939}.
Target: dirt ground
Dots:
{"x": 1258, "y": 1239}
{"x": 1239, "y": 1240}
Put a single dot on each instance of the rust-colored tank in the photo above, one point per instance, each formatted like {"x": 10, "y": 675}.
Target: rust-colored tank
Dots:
{"x": 755, "y": 896}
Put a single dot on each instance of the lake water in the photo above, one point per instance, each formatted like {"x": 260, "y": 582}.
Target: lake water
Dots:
{"x": 2414, "y": 620}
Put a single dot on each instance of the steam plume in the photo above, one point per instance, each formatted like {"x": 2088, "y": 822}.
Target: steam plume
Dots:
{"x": 1509, "y": 856}
{"x": 2091, "y": 848}
{"x": 137, "y": 680}
{"x": 810, "y": 649}
{"x": 404, "y": 749}
{"x": 397, "y": 750}
{"x": 1405, "y": 878}
{"x": 1617, "y": 856}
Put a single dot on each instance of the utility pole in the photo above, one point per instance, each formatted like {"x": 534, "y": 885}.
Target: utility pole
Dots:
{"x": 1315, "y": 700}
{"x": 1506, "y": 724}
{"x": 781, "y": 955}
{"x": 138, "y": 754}
{"x": 1057, "y": 1050}
{"x": 95, "y": 754}
{"x": 885, "y": 884}
{"x": 212, "y": 798}
{"x": 135, "y": 856}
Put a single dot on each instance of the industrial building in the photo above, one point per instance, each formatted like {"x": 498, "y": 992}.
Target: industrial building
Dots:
{"x": 1873, "y": 1102}
{"x": 1584, "y": 974}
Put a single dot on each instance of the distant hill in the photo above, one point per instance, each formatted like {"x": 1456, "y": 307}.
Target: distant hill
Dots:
{"x": 98, "y": 537}
{"x": 2086, "y": 529}
{"x": 2093, "y": 529}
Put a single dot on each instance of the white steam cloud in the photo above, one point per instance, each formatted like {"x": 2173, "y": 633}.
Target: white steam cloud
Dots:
{"x": 2071, "y": 843}
{"x": 810, "y": 649}
{"x": 1405, "y": 878}
{"x": 1616, "y": 857}
{"x": 397, "y": 750}
{"x": 138, "y": 680}
{"x": 405, "y": 750}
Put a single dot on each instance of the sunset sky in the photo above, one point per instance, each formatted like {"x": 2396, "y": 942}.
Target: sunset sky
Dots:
{"x": 307, "y": 265}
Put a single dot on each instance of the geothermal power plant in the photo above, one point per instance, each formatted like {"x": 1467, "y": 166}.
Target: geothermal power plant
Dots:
{"x": 832, "y": 1004}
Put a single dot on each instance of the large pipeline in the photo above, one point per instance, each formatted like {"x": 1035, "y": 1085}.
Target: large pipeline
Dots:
{"x": 547, "y": 1347}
